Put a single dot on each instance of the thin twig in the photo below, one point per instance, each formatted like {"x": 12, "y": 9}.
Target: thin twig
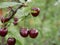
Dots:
{"x": 14, "y": 11}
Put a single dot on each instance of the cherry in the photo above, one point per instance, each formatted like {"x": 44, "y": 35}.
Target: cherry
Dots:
{"x": 35, "y": 11}
{"x": 3, "y": 20}
{"x": 24, "y": 32}
{"x": 33, "y": 33}
{"x": 6, "y": 19}
{"x": 15, "y": 19}
{"x": 3, "y": 32}
{"x": 11, "y": 41}
{"x": 15, "y": 23}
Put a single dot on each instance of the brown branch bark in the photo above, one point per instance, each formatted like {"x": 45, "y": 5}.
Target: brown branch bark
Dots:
{"x": 14, "y": 11}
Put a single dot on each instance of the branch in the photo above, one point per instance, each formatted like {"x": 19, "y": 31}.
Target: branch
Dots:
{"x": 14, "y": 11}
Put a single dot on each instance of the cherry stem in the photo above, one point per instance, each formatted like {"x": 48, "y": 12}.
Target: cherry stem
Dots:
{"x": 3, "y": 40}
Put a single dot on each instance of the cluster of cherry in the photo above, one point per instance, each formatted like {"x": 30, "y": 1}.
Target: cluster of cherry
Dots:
{"x": 24, "y": 32}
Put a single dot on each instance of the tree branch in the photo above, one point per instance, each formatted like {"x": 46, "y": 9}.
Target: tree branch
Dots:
{"x": 14, "y": 11}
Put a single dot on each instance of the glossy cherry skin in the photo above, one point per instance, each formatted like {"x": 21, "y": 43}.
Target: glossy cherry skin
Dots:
{"x": 7, "y": 19}
{"x": 15, "y": 23}
{"x": 3, "y": 32}
{"x": 11, "y": 41}
{"x": 35, "y": 12}
{"x": 33, "y": 33}
{"x": 3, "y": 20}
{"x": 24, "y": 32}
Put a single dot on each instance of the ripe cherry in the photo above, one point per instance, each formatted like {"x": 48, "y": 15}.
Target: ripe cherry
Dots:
{"x": 15, "y": 23}
{"x": 24, "y": 32}
{"x": 35, "y": 12}
{"x": 6, "y": 19}
{"x": 11, "y": 41}
{"x": 33, "y": 33}
{"x": 3, "y": 20}
{"x": 3, "y": 32}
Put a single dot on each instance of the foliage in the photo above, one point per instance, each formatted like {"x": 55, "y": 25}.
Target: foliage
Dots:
{"x": 49, "y": 28}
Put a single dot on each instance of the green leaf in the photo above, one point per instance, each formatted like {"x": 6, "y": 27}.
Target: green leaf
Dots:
{"x": 22, "y": 12}
{"x": 7, "y": 4}
{"x": 22, "y": 1}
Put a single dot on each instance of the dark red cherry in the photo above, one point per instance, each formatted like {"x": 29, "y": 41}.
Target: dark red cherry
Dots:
{"x": 11, "y": 41}
{"x": 15, "y": 23}
{"x": 15, "y": 19}
{"x": 3, "y": 20}
{"x": 35, "y": 12}
{"x": 24, "y": 32}
{"x": 6, "y": 19}
{"x": 3, "y": 32}
{"x": 33, "y": 33}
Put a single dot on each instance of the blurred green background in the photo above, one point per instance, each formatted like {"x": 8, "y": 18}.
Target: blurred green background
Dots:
{"x": 47, "y": 23}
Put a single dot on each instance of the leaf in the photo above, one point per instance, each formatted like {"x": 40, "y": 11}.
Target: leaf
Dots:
{"x": 7, "y": 4}
{"x": 22, "y": 1}
{"x": 22, "y": 12}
